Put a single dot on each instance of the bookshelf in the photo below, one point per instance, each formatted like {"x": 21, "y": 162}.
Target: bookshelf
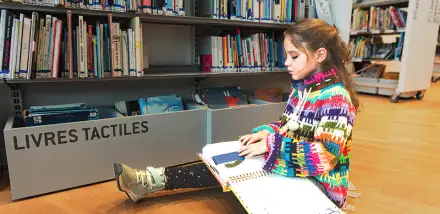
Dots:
{"x": 389, "y": 52}
{"x": 172, "y": 63}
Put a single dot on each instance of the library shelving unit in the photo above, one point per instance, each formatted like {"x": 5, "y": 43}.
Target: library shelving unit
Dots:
{"x": 393, "y": 44}
{"x": 172, "y": 48}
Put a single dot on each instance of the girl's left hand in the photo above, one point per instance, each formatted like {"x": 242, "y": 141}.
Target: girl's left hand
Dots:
{"x": 251, "y": 150}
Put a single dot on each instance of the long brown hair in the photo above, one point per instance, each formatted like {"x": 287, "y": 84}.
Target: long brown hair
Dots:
{"x": 312, "y": 34}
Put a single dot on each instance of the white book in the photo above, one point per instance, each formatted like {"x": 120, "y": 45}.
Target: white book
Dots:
{"x": 256, "y": 10}
{"x": 323, "y": 11}
{"x": 32, "y": 42}
{"x": 78, "y": 58}
{"x": 18, "y": 51}
{"x": 255, "y": 188}
{"x": 40, "y": 46}
{"x": 23, "y": 65}
{"x": 81, "y": 73}
{"x": 220, "y": 53}
{"x": 46, "y": 47}
{"x": 120, "y": 56}
{"x": 277, "y": 12}
{"x": 131, "y": 52}
{"x": 13, "y": 48}
{"x": 52, "y": 44}
{"x": 115, "y": 44}
{"x": 144, "y": 51}
{"x": 85, "y": 49}
{"x": 2, "y": 39}
{"x": 214, "y": 61}
{"x": 135, "y": 22}
{"x": 244, "y": 14}
{"x": 181, "y": 9}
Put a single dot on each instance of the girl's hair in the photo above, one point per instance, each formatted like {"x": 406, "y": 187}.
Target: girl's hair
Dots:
{"x": 312, "y": 34}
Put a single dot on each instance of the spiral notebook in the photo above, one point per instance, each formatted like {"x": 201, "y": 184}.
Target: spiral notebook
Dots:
{"x": 262, "y": 192}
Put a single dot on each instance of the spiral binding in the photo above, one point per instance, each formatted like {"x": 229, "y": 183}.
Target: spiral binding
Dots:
{"x": 248, "y": 176}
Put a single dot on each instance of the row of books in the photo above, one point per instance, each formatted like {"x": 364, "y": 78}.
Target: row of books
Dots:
{"x": 160, "y": 7}
{"x": 237, "y": 53}
{"x": 367, "y": 48}
{"x": 213, "y": 97}
{"x": 283, "y": 11}
{"x": 377, "y": 19}
{"x": 46, "y": 46}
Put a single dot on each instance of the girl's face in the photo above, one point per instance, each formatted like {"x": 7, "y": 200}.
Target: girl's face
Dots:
{"x": 299, "y": 64}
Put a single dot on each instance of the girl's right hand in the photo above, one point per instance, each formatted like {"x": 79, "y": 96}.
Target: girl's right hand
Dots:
{"x": 253, "y": 138}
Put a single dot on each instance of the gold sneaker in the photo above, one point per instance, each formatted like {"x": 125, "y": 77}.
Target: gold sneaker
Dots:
{"x": 139, "y": 183}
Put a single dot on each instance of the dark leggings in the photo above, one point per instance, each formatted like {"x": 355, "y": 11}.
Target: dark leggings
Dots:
{"x": 197, "y": 175}
{"x": 191, "y": 175}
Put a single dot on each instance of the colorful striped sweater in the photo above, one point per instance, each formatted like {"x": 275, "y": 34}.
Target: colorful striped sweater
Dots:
{"x": 320, "y": 147}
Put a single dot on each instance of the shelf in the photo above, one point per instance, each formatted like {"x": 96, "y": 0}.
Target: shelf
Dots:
{"x": 375, "y": 83}
{"x": 381, "y": 3}
{"x": 148, "y": 18}
{"x": 376, "y": 32}
{"x": 357, "y": 59}
{"x": 147, "y": 76}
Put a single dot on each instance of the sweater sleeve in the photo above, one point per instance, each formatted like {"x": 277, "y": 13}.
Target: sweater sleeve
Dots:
{"x": 302, "y": 158}
{"x": 271, "y": 127}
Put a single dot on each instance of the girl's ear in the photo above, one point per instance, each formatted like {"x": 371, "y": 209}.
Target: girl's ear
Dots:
{"x": 321, "y": 55}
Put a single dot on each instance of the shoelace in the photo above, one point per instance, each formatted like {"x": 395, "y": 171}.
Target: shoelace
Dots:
{"x": 144, "y": 178}
{"x": 292, "y": 120}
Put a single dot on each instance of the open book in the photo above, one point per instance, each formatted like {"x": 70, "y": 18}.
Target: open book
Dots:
{"x": 260, "y": 191}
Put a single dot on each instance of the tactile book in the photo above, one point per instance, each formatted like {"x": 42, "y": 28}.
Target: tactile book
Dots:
{"x": 260, "y": 191}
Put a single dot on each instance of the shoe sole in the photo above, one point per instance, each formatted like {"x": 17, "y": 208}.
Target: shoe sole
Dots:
{"x": 118, "y": 171}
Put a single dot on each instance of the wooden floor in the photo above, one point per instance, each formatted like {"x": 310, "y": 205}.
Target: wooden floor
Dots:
{"x": 395, "y": 165}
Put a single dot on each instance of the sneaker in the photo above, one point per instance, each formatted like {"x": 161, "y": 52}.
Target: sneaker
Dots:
{"x": 139, "y": 183}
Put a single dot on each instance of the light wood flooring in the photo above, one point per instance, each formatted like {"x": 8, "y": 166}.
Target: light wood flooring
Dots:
{"x": 395, "y": 165}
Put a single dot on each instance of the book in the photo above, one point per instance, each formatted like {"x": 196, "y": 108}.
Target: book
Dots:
{"x": 260, "y": 191}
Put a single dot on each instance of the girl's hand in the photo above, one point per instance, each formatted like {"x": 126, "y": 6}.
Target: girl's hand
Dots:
{"x": 254, "y": 149}
{"x": 253, "y": 138}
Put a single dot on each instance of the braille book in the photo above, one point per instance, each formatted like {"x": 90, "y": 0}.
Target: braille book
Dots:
{"x": 256, "y": 188}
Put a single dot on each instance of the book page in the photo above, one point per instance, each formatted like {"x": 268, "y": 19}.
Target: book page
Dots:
{"x": 249, "y": 165}
{"x": 280, "y": 194}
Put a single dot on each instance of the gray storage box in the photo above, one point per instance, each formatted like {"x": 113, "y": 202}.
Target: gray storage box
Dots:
{"x": 229, "y": 124}
{"x": 50, "y": 158}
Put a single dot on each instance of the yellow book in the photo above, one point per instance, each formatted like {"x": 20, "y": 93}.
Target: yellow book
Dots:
{"x": 260, "y": 191}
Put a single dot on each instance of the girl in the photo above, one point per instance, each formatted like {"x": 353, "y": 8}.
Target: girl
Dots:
{"x": 312, "y": 139}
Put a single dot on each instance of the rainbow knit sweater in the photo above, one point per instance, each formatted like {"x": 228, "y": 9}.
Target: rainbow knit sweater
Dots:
{"x": 320, "y": 147}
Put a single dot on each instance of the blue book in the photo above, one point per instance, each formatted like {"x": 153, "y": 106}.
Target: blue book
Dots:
{"x": 98, "y": 49}
{"x": 161, "y": 104}
{"x": 65, "y": 107}
{"x": 61, "y": 116}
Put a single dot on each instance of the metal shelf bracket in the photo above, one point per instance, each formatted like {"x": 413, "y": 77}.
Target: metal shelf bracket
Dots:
{"x": 16, "y": 98}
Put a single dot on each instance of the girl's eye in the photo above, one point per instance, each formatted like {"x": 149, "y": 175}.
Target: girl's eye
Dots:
{"x": 294, "y": 57}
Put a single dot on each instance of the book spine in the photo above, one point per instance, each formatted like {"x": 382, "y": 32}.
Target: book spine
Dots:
{"x": 23, "y": 65}
{"x": 3, "y": 30}
{"x": 90, "y": 51}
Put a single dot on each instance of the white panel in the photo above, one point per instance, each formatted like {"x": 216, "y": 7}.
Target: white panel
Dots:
{"x": 341, "y": 12}
{"x": 419, "y": 48}
{"x": 168, "y": 44}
